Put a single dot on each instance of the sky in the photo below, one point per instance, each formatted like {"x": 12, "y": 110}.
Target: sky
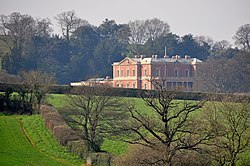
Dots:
{"x": 218, "y": 19}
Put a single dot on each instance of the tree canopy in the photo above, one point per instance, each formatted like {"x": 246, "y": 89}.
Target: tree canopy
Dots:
{"x": 83, "y": 50}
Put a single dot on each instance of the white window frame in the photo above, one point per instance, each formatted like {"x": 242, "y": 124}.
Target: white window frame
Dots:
{"x": 127, "y": 74}
{"x": 122, "y": 73}
{"x": 187, "y": 73}
{"x": 158, "y": 72}
{"x": 176, "y": 72}
{"x": 134, "y": 85}
{"x": 128, "y": 85}
{"x": 133, "y": 73}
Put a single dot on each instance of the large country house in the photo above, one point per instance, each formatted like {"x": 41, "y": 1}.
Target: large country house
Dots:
{"x": 139, "y": 72}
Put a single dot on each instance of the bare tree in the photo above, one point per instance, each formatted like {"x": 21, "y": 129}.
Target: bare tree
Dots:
{"x": 242, "y": 36}
{"x": 223, "y": 75}
{"x": 69, "y": 22}
{"x": 202, "y": 40}
{"x": 169, "y": 128}
{"x": 16, "y": 31}
{"x": 222, "y": 45}
{"x": 232, "y": 121}
{"x": 210, "y": 78}
{"x": 138, "y": 155}
{"x": 156, "y": 28}
{"x": 142, "y": 30}
{"x": 94, "y": 113}
{"x": 35, "y": 86}
{"x": 43, "y": 27}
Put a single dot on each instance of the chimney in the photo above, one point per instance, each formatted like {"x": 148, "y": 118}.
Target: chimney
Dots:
{"x": 142, "y": 56}
{"x": 165, "y": 56}
{"x": 187, "y": 57}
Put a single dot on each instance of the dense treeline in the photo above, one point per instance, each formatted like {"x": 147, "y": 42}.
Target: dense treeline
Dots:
{"x": 84, "y": 50}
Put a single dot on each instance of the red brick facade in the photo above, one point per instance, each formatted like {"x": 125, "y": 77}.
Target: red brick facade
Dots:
{"x": 175, "y": 72}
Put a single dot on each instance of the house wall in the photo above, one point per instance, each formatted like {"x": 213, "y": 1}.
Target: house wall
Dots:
{"x": 136, "y": 73}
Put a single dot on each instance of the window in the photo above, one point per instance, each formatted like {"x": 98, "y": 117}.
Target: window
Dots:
{"x": 166, "y": 73}
{"x": 122, "y": 85}
{"x": 133, "y": 72}
{"x": 145, "y": 72}
{"x": 133, "y": 85}
{"x": 145, "y": 86}
{"x": 127, "y": 72}
{"x": 157, "y": 73}
{"x": 169, "y": 85}
{"x": 117, "y": 85}
{"x": 190, "y": 85}
{"x": 121, "y": 73}
{"x": 176, "y": 73}
{"x": 163, "y": 84}
{"x": 118, "y": 73}
{"x": 187, "y": 73}
{"x": 127, "y": 85}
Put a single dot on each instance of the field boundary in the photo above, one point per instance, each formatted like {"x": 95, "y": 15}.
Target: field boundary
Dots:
{"x": 31, "y": 142}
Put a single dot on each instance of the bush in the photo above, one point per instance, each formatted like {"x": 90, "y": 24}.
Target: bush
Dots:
{"x": 100, "y": 159}
{"x": 64, "y": 134}
{"x": 55, "y": 122}
{"x": 77, "y": 147}
{"x": 11, "y": 104}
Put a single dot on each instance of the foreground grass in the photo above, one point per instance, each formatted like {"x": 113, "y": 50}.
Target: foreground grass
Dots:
{"x": 44, "y": 141}
{"x": 15, "y": 148}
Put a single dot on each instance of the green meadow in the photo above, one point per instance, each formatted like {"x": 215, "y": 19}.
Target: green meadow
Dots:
{"x": 40, "y": 149}
{"x": 119, "y": 147}
{"x": 35, "y": 144}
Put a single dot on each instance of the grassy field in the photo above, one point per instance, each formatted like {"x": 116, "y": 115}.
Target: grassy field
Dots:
{"x": 118, "y": 147}
{"x": 15, "y": 148}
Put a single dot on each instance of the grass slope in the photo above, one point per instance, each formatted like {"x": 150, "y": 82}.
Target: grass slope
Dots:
{"x": 15, "y": 148}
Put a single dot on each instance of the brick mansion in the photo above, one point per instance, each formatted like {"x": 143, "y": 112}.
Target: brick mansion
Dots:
{"x": 138, "y": 72}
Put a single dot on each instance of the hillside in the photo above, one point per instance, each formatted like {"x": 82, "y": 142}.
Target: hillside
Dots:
{"x": 32, "y": 146}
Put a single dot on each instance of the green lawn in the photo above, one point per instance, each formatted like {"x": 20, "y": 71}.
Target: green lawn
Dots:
{"x": 15, "y": 148}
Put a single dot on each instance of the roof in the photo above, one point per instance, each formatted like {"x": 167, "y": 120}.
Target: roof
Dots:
{"x": 162, "y": 60}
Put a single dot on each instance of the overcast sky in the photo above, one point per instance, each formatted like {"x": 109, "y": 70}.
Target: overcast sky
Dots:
{"x": 218, "y": 19}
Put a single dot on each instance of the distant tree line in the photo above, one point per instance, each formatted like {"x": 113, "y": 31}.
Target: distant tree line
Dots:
{"x": 83, "y": 50}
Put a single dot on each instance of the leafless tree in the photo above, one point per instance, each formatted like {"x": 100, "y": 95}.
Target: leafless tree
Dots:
{"x": 242, "y": 37}
{"x": 69, "y": 22}
{"x": 94, "y": 113}
{"x": 43, "y": 27}
{"x": 16, "y": 31}
{"x": 232, "y": 121}
{"x": 156, "y": 28}
{"x": 35, "y": 86}
{"x": 137, "y": 32}
{"x": 138, "y": 155}
{"x": 222, "y": 45}
{"x": 223, "y": 75}
{"x": 142, "y": 30}
{"x": 201, "y": 40}
{"x": 169, "y": 128}
{"x": 8, "y": 78}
